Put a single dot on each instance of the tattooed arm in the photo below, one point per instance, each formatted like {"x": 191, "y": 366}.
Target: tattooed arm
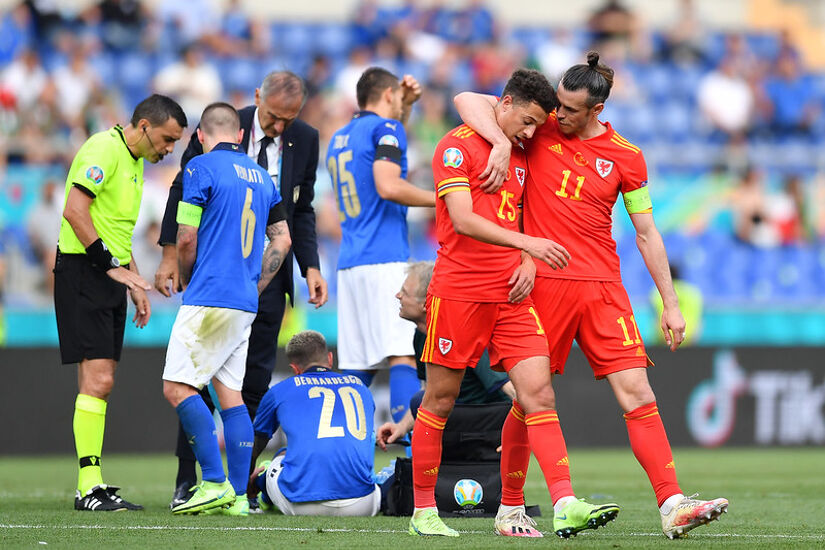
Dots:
{"x": 276, "y": 251}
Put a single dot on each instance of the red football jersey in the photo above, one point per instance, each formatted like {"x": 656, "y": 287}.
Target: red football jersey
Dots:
{"x": 468, "y": 270}
{"x": 569, "y": 199}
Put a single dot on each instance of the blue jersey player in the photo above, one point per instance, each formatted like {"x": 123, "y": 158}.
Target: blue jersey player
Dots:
{"x": 228, "y": 204}
{"x": 367, "y": 163}
{"x": 327, "y": 418}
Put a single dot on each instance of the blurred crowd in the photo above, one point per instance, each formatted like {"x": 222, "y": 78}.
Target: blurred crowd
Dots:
{"x": 738, "y": 112}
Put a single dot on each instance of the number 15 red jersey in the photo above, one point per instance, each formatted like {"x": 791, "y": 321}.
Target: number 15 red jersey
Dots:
{"x": 468, "y": 270}
{"x": 573, "y": 185}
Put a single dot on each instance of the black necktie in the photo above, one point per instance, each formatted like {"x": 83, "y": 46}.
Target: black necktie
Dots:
{"x": 263, "y": 161}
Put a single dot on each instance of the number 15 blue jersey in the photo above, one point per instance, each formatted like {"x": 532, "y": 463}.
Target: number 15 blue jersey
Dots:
{"x": 374, "y": 230}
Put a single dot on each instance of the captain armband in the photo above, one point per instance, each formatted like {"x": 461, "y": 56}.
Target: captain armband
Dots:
{"x": 638, "y": 201}
{"x": 189, "y": 214}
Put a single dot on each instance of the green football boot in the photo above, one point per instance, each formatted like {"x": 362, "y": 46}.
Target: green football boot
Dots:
{"x": 427, "y": 523}
{"x": 207, "y": 495}
{"x": 579, "y": 515}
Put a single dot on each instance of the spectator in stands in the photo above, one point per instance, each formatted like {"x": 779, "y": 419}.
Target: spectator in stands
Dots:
{"x": 557, "y": 53}
{"x": 788, "y": 212}
{"x": 792, "y": 98}
{"x": 193, "y": 81}
{"x": 686, "y": 38}
{"x": 347, "y": 79}
{"x": 75, "y": 84}
{"x": 187, "y": 21}
{"x": 25, "y": 79}
{"x": 238, "y": 34}
{"x": 614, "y": 22}
{"x": 17, "y": 30}
{"x": 750, "y": 211}
{"x": 122, "y": 22}
{"x": 327, "y": 417}
{"x": 43, "y": 228}
{"x": 726, "y": 100}
{"x": 480, "y": 385}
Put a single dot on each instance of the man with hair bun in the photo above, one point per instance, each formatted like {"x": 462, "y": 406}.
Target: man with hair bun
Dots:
{"x": 579, "y": 165}
{"x": 479, "y": 297}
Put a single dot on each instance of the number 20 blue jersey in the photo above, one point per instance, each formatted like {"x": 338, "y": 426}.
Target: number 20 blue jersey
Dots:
{"x": 236, "y": 195}
{"x": 327, "y": 418}
{"x": 374, "y": 230}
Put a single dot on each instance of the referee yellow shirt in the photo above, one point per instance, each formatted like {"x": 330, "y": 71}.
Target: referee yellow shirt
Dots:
{"x": 105, "y": 169}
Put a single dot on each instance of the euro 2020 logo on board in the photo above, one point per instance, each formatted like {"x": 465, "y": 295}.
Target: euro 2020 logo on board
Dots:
{"x": 453, "y": 158}
{"x": 468, "y": 493}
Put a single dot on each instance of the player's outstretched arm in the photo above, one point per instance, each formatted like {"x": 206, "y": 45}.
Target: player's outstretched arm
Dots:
{"x": 652, "y": 248}
{"x": 477, "y": 112}
{"x": 466, "y": 222}
{"x": 392, "y": 187}
{"x": 187, "y": 251}
{"x": 276, "y": 251}
{"x": 412, "y": 93}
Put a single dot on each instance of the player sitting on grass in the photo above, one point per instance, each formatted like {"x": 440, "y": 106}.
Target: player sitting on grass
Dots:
{"x": 227, "y": 202}
{"x": 328, "y": 421}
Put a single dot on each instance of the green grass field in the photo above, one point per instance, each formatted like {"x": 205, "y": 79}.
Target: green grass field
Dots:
{"x": 776, "y": 501}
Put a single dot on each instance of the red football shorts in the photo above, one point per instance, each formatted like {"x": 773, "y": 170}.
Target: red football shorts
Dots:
{"x": 597, "y": 315}
{"x": 458, "y": 332}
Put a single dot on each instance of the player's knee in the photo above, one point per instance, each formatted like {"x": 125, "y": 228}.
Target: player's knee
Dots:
{"x": 538, "y": 398}
{"x": 100, "y": 385}
{"x": 176, "y": 393}
{"x": 440, "y": 405}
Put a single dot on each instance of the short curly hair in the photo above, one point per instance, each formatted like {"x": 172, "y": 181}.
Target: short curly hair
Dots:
{"x": 530, "y": 86}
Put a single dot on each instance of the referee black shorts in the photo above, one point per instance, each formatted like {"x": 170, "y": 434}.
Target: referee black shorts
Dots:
{"x": 90, "y": 308}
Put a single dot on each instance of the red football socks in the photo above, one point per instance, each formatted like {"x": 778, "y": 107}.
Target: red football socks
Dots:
{"x": 515, "y": 457}
{"x": 547, "y": 443}
{"x": 426, "y": 456}
{"x": 652, "y": 449}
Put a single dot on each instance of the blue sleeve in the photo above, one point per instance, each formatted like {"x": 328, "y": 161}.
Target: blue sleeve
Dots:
{"x": 390, "y": 141}
{"x": 266, "y": 420}
{"x": 197, "y": 183}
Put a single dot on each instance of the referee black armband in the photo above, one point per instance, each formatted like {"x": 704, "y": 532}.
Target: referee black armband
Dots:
{"x": 98, "y": 253}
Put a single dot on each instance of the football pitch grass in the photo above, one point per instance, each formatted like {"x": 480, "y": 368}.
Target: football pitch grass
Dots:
{"x": 777, "y": 500}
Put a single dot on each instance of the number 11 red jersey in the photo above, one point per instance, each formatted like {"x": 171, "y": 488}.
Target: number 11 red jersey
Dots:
{"x": 573, "y": 185}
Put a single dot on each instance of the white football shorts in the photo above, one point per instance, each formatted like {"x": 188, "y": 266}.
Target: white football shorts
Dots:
{"x": 208, "y": 342}
{"x": 369, "y": 328}
{"x": 367, "y": 505}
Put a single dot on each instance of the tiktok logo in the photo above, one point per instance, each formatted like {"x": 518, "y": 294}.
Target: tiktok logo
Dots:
{"x": 711, "y": 407}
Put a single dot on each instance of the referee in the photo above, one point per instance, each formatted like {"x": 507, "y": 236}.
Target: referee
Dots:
{"x": 94, "y": 267}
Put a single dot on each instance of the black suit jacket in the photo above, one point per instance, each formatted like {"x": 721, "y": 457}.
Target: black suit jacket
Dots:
{"x": 300, "y": 162}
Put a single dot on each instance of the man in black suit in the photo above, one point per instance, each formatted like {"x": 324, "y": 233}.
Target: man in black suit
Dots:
{"x": 288, "y": 149}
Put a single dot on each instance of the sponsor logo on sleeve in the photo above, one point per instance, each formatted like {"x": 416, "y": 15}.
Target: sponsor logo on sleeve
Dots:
{"x": 95, "y": 174}
{"x": 453, "y": 158}
{"x": 604, "y": 167}
{"x": 388, "y": 139}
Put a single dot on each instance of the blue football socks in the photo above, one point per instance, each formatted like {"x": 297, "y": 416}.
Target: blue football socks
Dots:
{"x": 199, "y": 426}
{"x": 404, "y": 384}
{"x": 237, "y": 431}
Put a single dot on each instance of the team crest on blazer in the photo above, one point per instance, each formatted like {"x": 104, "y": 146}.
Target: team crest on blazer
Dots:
{"x": 445, "y": 345}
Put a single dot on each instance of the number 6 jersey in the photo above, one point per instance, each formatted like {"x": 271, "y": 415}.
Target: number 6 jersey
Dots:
{"x": 466, "y": 269}
{"x": 573, "y": 186}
